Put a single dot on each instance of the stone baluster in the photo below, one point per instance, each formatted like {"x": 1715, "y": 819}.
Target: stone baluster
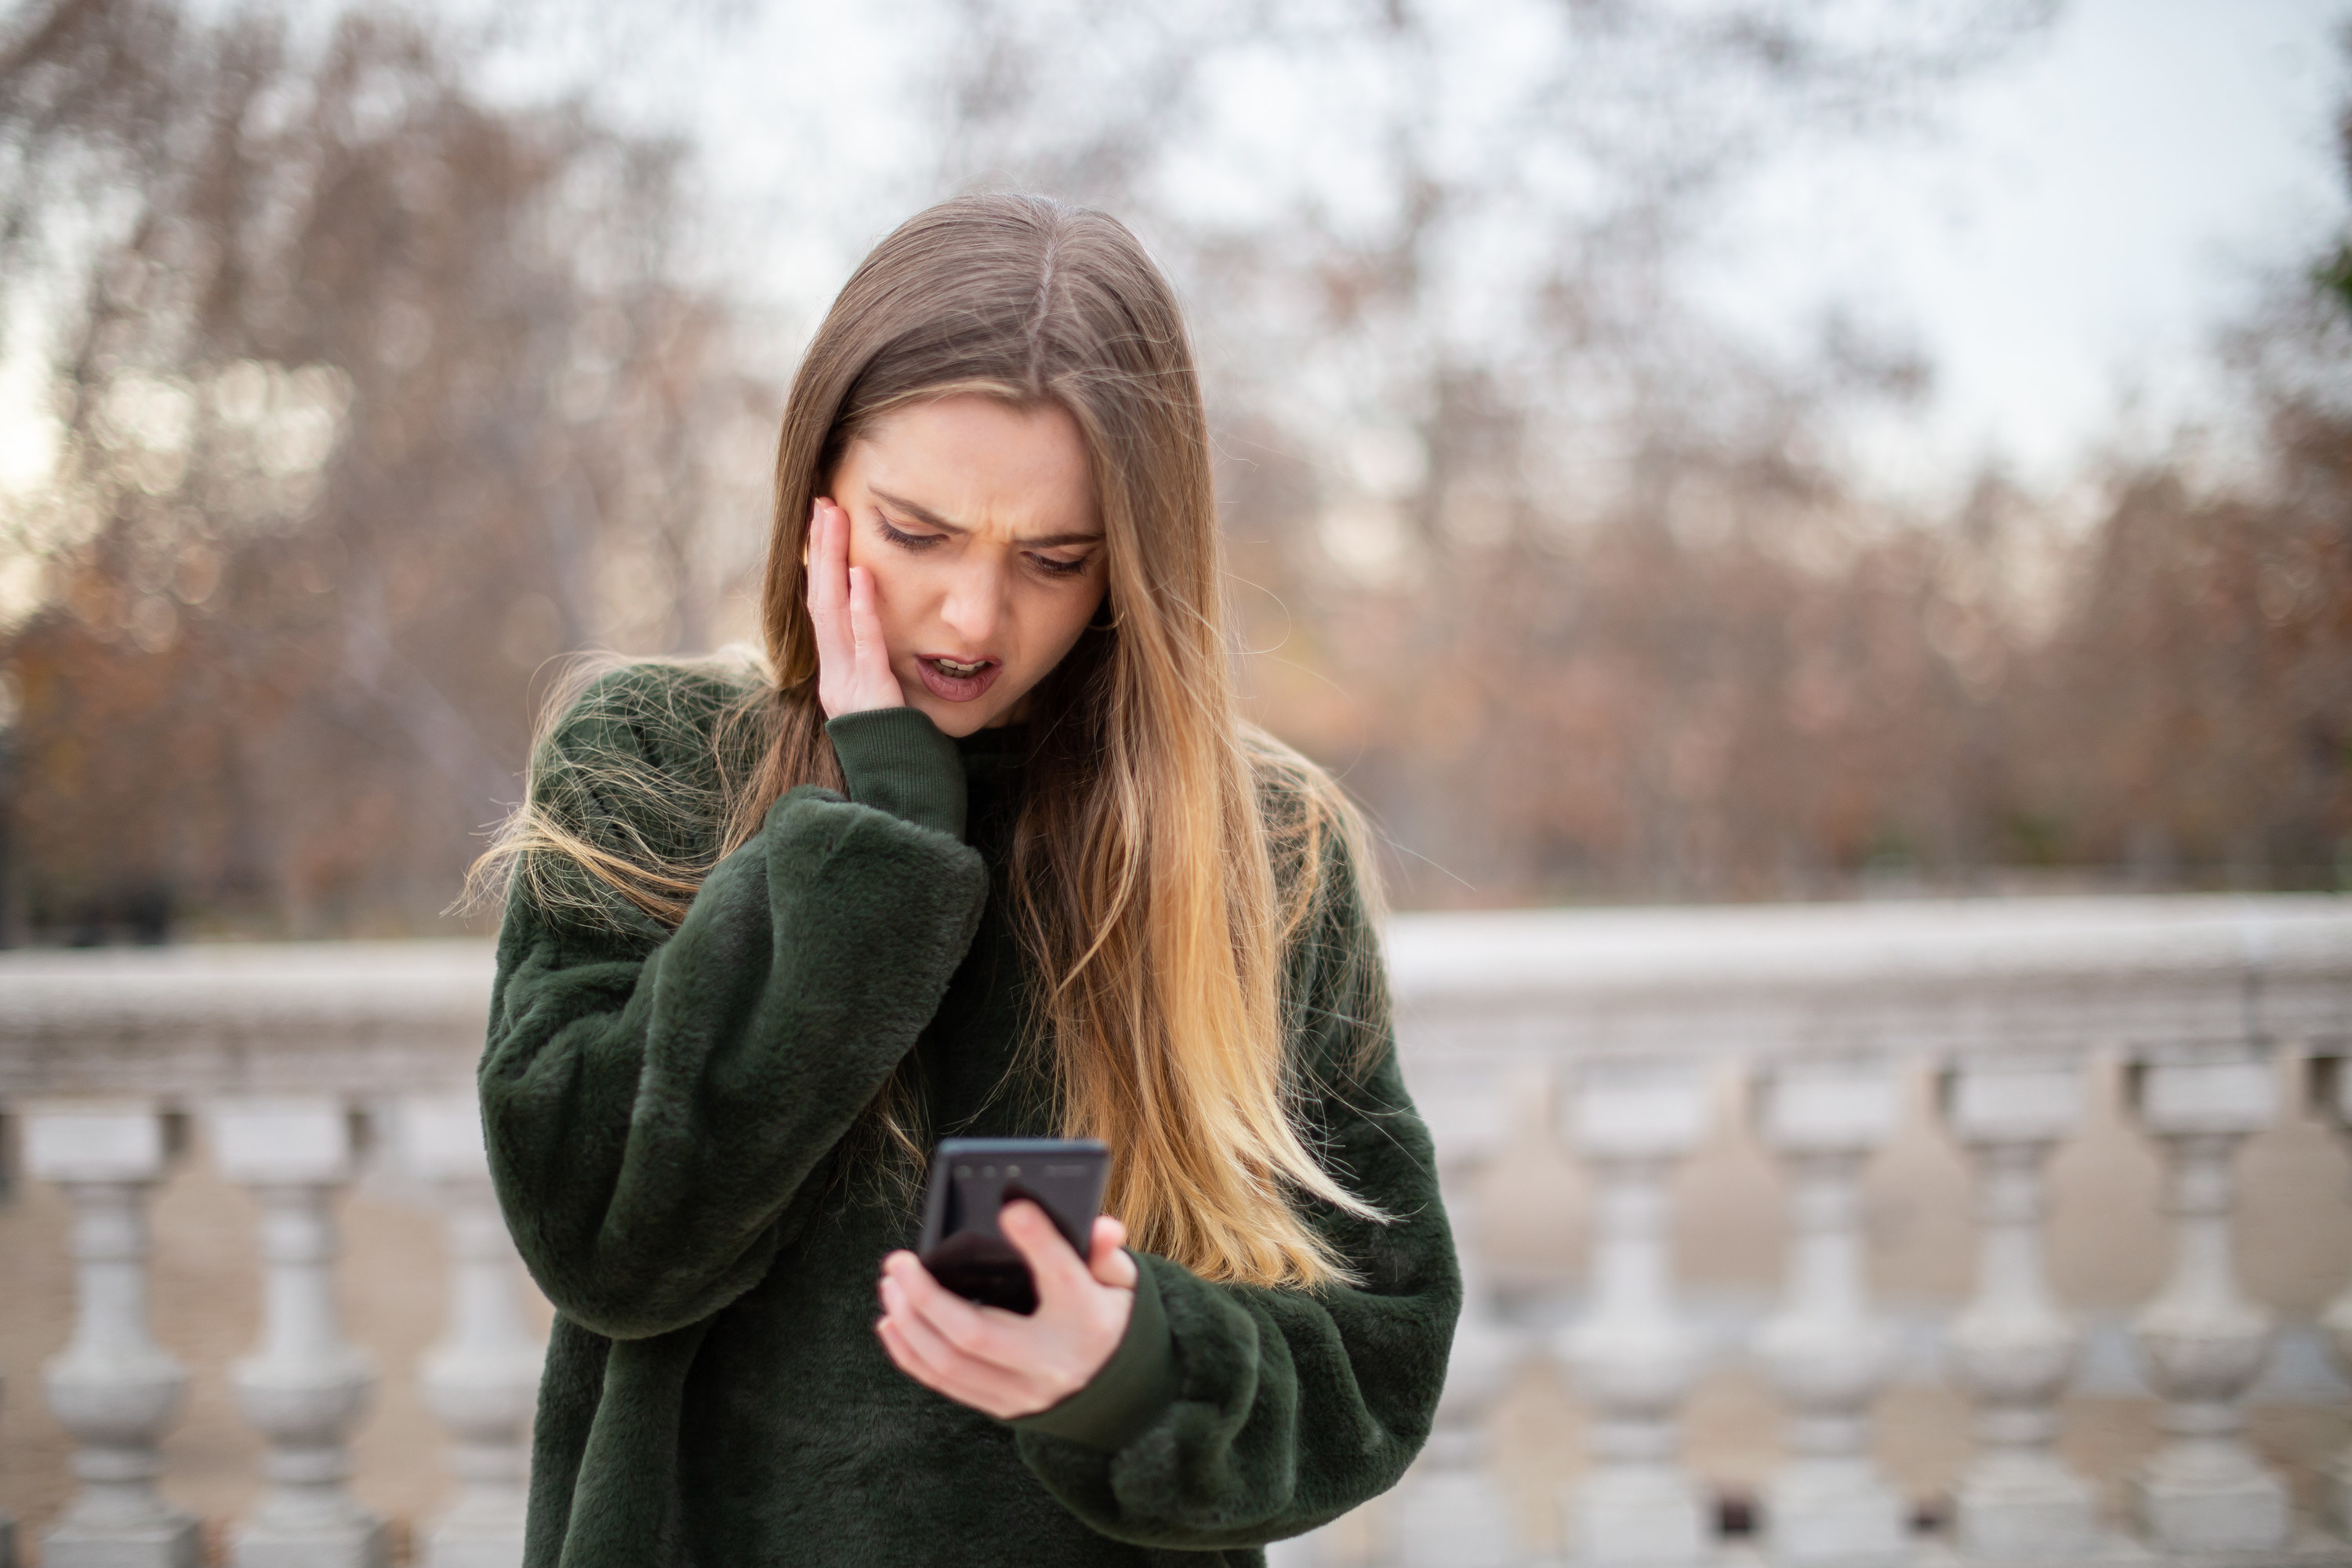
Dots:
{"x": 1824, "y": 1350}
{"x": 2331, "y": 1096}
{"x": 1450, "y": 1511}
{"x": 482, "y": 1378}
{"x": 1631, "y": 1355}
{"x": 7, "y": 1525}
{"x": 306, "y": 1387}
{"x": 2012, "y": 1347}
{"x": 2201, "y": 1340}
{"x": 112, "y": 1386}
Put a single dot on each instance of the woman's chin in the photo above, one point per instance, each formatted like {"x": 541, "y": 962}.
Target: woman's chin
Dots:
{"x": 957, "y": 720}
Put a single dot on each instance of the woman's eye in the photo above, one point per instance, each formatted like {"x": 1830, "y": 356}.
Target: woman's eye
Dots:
{"x": 1053, "y": 568}
{"x": 904, "y": 540}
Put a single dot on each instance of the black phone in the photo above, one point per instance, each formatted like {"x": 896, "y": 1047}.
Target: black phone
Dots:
{"x": 971, "y": 1178}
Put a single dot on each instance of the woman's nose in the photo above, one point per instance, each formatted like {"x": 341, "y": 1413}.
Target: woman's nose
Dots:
{"x": 975, "y": 605}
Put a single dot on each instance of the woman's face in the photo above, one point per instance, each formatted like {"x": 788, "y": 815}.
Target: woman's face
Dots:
{"x": 977, "y": 522}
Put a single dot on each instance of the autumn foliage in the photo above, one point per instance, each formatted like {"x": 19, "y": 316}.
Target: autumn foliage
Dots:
{"x": 373, "y": 397}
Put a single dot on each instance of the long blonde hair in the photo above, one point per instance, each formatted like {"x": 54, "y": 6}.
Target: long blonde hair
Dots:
{"x": 1167, "y": 854}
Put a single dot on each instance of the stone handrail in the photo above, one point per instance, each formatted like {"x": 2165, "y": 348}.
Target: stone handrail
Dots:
{"x": 1818, "y": 1006}
{"x": 1625, "y": 1013}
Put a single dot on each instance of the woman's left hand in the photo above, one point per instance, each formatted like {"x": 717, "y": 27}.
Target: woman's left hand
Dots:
{"x": 1000, "y": 1362}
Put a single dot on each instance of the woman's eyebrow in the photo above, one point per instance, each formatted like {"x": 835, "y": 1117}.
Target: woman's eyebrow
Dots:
{"x": 930, "y": 518}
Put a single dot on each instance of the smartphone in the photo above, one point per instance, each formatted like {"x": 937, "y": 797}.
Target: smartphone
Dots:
{"x": 971, "y": 1178}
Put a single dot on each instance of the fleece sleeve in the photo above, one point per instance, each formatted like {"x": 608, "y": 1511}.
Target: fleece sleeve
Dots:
{"x": 654, "y": 1103}
{"x": 1234, "y": 1414}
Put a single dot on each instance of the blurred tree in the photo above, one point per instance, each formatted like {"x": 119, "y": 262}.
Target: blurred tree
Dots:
{"x": 373, "y": 399}
{"x": 1564, "y": 579}
{"x": 374, "y": 395}
{"x": 1568, "y": 583}
{"x": 2192, "y": 714}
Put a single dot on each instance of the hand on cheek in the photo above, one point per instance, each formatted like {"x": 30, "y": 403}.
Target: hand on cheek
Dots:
{"x": 852, "y": 662}
{"x": 998, "y": 1362}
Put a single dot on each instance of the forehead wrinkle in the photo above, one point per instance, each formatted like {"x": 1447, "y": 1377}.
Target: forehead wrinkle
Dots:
{"x": 925, "y": 515}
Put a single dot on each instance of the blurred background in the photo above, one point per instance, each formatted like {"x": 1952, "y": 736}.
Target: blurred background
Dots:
{"x": 1718, "y": 449}
{"x": 1758, "y": 454}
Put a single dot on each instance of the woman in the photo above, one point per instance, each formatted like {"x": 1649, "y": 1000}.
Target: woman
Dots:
{"x": 984, "y": 851}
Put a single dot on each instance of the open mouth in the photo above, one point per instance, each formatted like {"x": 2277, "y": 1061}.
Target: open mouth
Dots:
{"x": 955, "y": 679}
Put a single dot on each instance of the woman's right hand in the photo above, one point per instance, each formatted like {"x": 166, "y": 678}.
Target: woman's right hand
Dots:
{"x": 853, "y": 667}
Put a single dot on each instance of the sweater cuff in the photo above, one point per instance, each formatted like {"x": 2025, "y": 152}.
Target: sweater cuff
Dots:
{"x": 1136, "y": 1384}
{"x": 895, "y": 760}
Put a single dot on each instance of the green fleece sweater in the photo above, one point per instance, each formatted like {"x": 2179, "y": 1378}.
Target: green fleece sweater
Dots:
{"x": 665, "y": 1110}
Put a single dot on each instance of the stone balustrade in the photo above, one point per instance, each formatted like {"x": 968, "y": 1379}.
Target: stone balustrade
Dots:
{"x": 301, "y": 1071}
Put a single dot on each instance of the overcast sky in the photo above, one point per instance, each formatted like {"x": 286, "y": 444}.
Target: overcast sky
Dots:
{"x": 2071, "y": 234}
{"x": 2062, "y": 241}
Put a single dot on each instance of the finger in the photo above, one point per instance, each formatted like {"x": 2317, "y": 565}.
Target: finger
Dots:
{"x": 1058, "y": 1270}
{"x": 902, "y": 1356}
{"x": 951, "y": 1371}
{"x": 984, "y": 1394}
{"x": 923, "y": 1343}
{"x": 928, "y": 1345}
{"x": 813, "y": 552}
{"x": 953, "y": 1318}
{"x": 872, "y": 683}
{"x": 866, "y": 626}
{"x": 824, "y": 575}
{"x": 836, "y": 553}
{"x": 1109, "y": 1260}
{"x": 911, "y": 1359}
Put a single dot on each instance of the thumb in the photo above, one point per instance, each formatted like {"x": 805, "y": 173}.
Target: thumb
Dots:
{"x": 1052, "y": 1262}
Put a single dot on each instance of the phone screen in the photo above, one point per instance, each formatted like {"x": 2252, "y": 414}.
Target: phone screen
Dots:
{"x": 971, "y": 1178}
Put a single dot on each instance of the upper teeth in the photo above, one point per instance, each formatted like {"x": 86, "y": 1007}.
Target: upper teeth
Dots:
{"x": 952, "y": 668}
